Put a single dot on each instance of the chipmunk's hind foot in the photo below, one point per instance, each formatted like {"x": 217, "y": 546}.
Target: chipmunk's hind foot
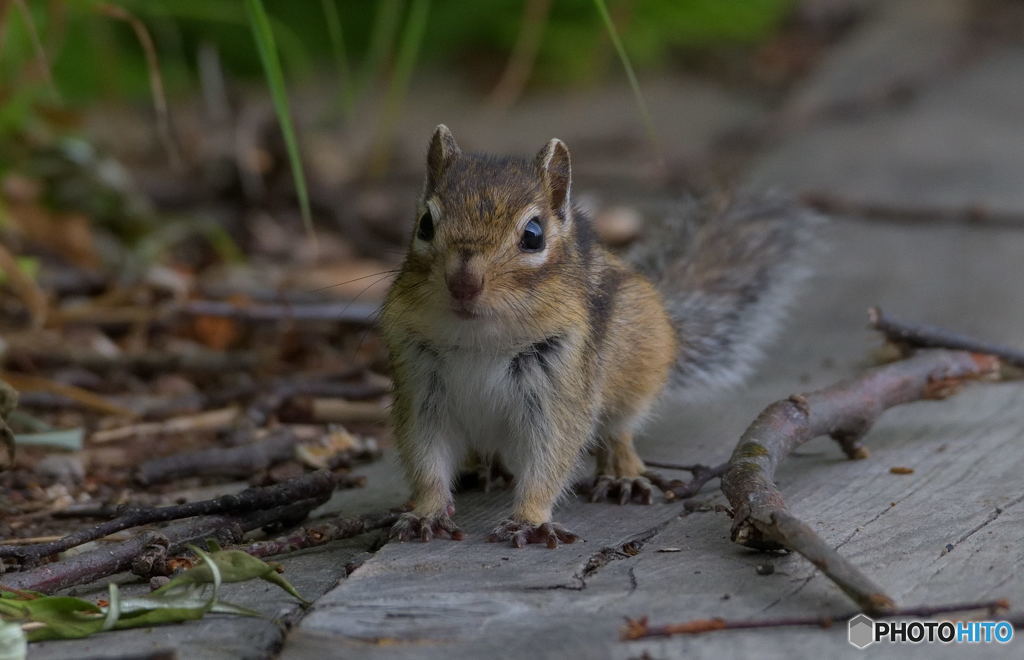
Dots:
{"x": 623, "y": 490}
{"x": 520, "y": 533}
{"x": 412, "y": 527}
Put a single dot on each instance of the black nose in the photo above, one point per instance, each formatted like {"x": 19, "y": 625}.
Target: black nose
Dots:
{"x": 464, "y": 286}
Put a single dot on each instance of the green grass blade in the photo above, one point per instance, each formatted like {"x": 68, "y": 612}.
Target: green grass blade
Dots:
{"x": 337, "y": 36}
{"x": 638, "y": 95}
{"x": 264, "y": 37}
{"x": 382, "y": 35}
{"x": 405, "y": 62}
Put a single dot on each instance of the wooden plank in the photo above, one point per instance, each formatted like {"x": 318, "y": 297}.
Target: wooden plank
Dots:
{"x": 473, "y": 598}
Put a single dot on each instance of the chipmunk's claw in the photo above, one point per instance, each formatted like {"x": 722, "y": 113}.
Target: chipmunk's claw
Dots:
{"x": 622, "y": 489}
{"x": 411, "y": 526}
{"x": 520, "y": 533}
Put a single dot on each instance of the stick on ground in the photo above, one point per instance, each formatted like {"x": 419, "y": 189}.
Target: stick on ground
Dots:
{"x": 920, "y": 335}
{"x": 310, "y": 486}
{"x": 640, "y": 629}
{"x": 845, "y": 411}
{"x": 100, "y": 563}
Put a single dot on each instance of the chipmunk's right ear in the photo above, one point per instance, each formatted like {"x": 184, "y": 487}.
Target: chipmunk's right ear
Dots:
{"x": 443, "y": 149}
{"x": 556, "y": 175}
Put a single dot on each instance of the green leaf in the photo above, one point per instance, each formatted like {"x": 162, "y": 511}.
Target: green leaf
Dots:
{"x": 184, "y": 598}
{"x": 264, "y": 37}
{"x": 13, "y": 645}
{"x": 234, "y": 566}
{"x": 64, "y": 617}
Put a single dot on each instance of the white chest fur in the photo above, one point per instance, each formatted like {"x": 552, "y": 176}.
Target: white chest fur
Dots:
{"x": 482, "y": 398}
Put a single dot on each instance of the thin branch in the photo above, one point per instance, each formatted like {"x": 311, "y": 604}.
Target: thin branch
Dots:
{"x": 920, "y": 335}
{"x": 676, "y": 489}
{"x": 147, "y": 362}
{"x": 25, "y": 287}
{"x": 640, "y": 629}
{"x": 847, "y": 409}
{"x": 208, "y": 420}
{"x": 239, "y": 461}
{"x": 85, "y": 397}
{"x": 97, "y": 564}
{"x": 312, "y": 485}
{"x": 341, "y": 312}
{"x": 321, "y": 410}
{"x": 324, "y": 531}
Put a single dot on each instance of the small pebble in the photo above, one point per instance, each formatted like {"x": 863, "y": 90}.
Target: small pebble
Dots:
{"x": 766, "y": 568}
{"x": 158, "y": 581}
{"x": 618, "y": 225}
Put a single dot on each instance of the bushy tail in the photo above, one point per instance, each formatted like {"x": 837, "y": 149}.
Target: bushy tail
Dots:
{"x": 728, "y": 275}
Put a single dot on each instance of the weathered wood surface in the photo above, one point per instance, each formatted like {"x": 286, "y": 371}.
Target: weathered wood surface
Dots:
{"x": 448, "y": 599}
{"x": 957, "y": 142}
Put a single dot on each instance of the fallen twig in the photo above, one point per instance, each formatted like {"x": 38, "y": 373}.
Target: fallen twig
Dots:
{"x": 321, "y": 410}
{"x": 640, "y": 629}
{"x": 102, "y": 562}
{"x": 24, "y": 287}
{"x": 844, "y": 411}
{"x": 677, "y": 489}
{"x": 312, "y": 485}
{"x": 8, "y": 402}
{"x": 324, "y": 531}
{"x": 50, "y": 353}
{"x": 208, "y": 420}
{"x": 920, "y": 335}
{"x": 257, "y": 413}
{"x": 239, "y": 461}
{"x": 339, "y": 312}
{"x": 83, "y": 396}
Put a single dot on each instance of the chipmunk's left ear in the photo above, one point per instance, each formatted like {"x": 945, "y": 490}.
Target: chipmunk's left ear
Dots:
{"x": 556, "y": 175}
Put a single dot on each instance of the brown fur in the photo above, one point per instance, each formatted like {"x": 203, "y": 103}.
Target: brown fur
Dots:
{"x": 562, "y": 350}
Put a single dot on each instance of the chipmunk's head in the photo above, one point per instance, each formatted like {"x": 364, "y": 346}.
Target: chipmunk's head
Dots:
{"x": 495, "y": 237}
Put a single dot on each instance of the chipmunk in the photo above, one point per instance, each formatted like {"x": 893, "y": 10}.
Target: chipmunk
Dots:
{"x": 512, "y": 332}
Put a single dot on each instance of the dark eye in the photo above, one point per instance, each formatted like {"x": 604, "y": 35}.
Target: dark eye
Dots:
{"x": 425, "y": 229}
{"x": 533, "y": 236}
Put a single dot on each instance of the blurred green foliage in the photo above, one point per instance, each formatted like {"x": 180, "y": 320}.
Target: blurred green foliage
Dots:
{"x": 92, "y": 57}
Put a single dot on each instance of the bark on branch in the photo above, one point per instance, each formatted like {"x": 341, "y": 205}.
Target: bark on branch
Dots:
{"x": 103, "y": 562}
{"x": 315, "y": 485}
{"x": 845, "y": 411}
{"x": 920, "y": 335}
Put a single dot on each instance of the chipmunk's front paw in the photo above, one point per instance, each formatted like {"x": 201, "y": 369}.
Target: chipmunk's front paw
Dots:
{"x": 520, "y": 533}
{"x": 411, "y": 526}
{"x": 622, "y": 489}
